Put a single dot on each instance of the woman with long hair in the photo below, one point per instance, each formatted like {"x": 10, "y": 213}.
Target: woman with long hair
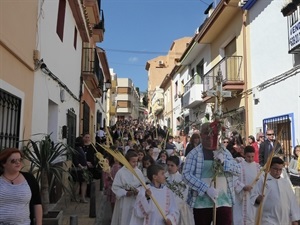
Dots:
{"x": 194, "y": 142}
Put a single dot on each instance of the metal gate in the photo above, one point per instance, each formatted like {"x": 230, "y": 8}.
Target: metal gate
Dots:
{"x": 71, "y": 124}
{"x": 282, "y": 129}
{"x": 10, "y": 114}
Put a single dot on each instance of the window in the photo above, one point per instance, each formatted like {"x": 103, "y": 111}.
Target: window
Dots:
{"x": 282, "y": 129}
{"x": 61, "y": 19}
{"x": 75, "y": 38}
{"x": 176, "y": 89}
{"x": 10, "y": 114}
{"x": 124, "y": 104}
{"x": 86, "y": 118}
{"x": 200, "y": 72}
{"x": 71, "y": 124}
{"x": 124, "y": 90}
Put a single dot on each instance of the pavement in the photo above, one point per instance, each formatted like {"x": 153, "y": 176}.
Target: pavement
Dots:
{"x": 71, "y": 210}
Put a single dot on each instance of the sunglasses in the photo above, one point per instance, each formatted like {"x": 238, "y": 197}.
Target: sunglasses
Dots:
{"x": 270, "y": 134}
{"x": 225, "y": 141}
{"x": 15, "y": 161}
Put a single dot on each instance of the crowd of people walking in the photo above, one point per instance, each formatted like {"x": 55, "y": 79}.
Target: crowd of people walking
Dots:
{"x": 190, "y": 179}
{"x": 188, "y": 163}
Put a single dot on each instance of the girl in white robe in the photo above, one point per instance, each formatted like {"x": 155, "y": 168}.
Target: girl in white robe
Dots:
{"x": 125, "y": 186}
{"x": 180, "y": 189}
{"x": 145, "y": 211}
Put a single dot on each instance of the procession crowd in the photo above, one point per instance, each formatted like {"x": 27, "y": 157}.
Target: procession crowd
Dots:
{"x": 195, "y": 181}
{"x": 191, "y": 179}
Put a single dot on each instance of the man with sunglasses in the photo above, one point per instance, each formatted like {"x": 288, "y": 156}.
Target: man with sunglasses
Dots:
{"x": 267, "y": 146}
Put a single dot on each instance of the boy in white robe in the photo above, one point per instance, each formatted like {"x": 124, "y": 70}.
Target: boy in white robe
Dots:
{"x": 243, "y": 211}
{"x": 180, "y": 189}
{"x": 145, "y": 211}
{"x": 125, "y": 186}
{"x": 279, "y": 201}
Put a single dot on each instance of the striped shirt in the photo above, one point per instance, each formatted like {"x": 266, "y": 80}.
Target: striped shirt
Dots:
{"x": 14, "y": 203}
{"x": 193, "y": 171}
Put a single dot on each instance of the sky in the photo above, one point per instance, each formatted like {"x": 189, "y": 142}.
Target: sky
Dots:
{"x": 137, "y": 31}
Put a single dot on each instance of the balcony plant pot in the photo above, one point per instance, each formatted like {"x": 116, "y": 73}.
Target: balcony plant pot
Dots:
{"x": 288, "y": 9}
{"x": 296, "y": 2}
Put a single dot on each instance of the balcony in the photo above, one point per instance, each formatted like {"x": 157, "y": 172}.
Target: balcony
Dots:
{"x": 93, "y": 10}
{"x": 233, "y": 79}
{"x": 91, "y": 72}
{"x": 192, "y": 92}
{"x": 124, "y": 97}
{"x": 98, "y": 29}
{"x": 124, "y": 110}
{"x": 80, "y": 19}
{"x": 113, "y": 86}
{"x": 158, "y": 106}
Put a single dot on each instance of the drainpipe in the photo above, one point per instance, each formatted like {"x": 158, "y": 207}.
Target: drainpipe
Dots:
{"x": 245, "y": 12}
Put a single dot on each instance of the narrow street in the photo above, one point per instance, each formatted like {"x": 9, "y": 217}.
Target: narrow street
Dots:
{"x": 104, "y": 212}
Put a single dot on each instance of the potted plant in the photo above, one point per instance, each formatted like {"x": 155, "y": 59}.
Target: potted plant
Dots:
{"x": 288, "y": 9}
{"x": 48, "y": 164}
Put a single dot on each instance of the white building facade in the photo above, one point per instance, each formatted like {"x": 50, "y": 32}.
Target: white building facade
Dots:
{"x": 57, "y": 83}
{"x": 275, "y": 74}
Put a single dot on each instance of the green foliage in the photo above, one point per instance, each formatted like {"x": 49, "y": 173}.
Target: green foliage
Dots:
{"x": 177, "y": 188}
{"x": 45, "y": 156}
{"x": 48, "y": 164}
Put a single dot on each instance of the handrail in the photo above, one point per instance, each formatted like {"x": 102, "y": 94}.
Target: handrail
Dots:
{"x": 230, "y": 67}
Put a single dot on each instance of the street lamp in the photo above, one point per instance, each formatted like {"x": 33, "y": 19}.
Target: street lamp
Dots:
{"x": 107, "y": 85}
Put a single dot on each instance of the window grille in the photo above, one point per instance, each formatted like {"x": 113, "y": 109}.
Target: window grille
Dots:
{"x": 71, "y": 124}
{"x": 86, "y": 119}
{"x": 282, "y": 130}
{"x": 10, "y": 114}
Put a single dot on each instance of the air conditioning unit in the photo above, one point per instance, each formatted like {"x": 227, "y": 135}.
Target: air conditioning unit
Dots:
{"x": 160, "y": 63}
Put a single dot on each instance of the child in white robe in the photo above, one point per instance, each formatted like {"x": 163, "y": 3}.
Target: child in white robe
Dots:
{"x": 243, "y": 211}
{"x": 180, "y": 189}
{"x": 280, "y": 205}
{"x": 145, "y": 211}
{"x": 125, "y": 186}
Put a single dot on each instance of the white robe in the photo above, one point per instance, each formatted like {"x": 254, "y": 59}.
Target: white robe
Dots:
{"x": 123, "y": 181}
{"x": 186, "y": 212}
{"x": 243, "y": 211}
{"x": 279, "y": 204}
{"x": 145, "y": 211}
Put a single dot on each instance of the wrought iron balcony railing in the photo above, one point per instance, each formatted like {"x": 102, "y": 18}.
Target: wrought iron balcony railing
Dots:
{"x": 230, "y": 67}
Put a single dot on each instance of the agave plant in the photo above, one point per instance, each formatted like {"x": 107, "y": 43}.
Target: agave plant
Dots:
{"x": 44, "y": 156}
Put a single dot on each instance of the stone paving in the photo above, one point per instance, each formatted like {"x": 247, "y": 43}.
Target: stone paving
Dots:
{"x": 82, "y": 210}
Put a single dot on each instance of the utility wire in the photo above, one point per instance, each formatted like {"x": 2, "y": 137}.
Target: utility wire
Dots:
{"x": 141, "y": 52}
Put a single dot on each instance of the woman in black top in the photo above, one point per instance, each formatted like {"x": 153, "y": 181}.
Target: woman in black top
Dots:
{"x": 194, "y": 142}
{"x": 80, "y": 164}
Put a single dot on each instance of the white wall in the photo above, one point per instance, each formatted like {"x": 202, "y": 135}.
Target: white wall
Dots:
{"x": 269, "y": 58}
{"x": 64, "y": 61}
